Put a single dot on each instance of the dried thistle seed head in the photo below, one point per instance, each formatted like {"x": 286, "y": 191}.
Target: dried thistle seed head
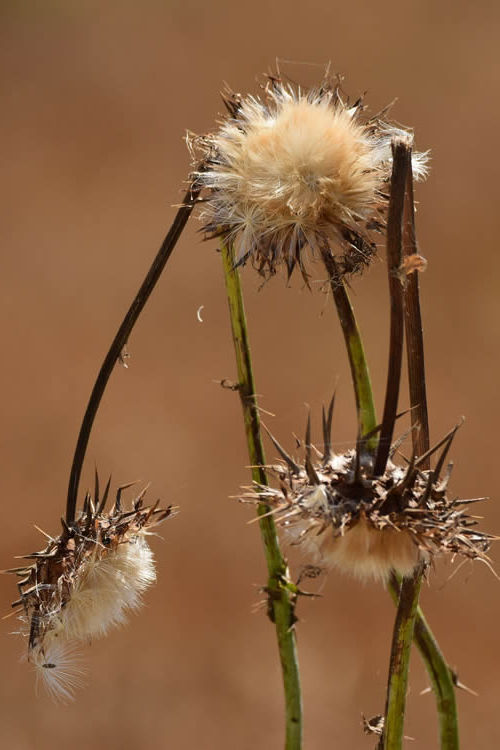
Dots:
{"x": 345, "y": 517}
{"x": 84, "y": 583}
{"x": 295, "y": 169}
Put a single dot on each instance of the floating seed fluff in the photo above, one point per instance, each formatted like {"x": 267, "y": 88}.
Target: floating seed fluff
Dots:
{"x": 296, "y": 169}
{"x": 84, "y": 583}
{"x": 366, "y": 525}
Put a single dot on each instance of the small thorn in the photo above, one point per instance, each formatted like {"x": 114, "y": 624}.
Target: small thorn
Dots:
{"x": 327, "y": 430}
{"x": 96, "y": 487}
{"x": 310, "y": 471}
{"x": 102, "y": 504}
{"x": 118, "y": 501}
{"x": 421, "y": 459}
{"x": 294, "y": 468}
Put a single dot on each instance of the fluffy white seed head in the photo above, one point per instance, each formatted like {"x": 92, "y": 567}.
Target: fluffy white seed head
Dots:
{"x": 296, "y": 169}
{"x": 85, "y": 582}
{"x": 345, "y": 517}
{"x": 107, "y": 587}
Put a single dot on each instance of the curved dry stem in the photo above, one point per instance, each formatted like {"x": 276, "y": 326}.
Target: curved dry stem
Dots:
{"x": 119, "y": 342}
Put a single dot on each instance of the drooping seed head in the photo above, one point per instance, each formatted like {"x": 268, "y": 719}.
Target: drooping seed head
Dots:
{"x": 82, "y": 584}
{"x": 295, "y": 169}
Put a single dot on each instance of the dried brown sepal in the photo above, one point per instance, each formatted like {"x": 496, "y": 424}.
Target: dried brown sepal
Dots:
{"x": 368, "y": 525}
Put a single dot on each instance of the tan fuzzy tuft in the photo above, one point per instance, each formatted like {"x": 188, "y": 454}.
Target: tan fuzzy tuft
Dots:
{"x": 345, "y": 517}
{"x": 296, "y": 169}
{"x": 85, "y": 582}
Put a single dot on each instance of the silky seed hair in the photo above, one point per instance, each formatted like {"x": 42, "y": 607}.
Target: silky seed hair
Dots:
{"x": 344, "y": 517}
{"x": 295, "y": 169}
{"x": 83, "y": 583}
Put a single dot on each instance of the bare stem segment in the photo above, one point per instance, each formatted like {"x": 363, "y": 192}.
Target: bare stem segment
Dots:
{"x": 119, "y": 342}
{"x": 280, "y": 594}
{"x": 440, "y": 674}
{"x": 367, "y": 420}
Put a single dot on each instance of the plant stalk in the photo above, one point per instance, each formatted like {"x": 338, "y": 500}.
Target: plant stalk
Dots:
{"x": 119, "y": 342}
{"x": 440, "y": 674}
{"x": 281, "y": 608}
{"x": 367, "y": 420}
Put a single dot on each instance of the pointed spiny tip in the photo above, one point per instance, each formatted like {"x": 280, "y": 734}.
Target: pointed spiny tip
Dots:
{"x": 311, "y": 473}
{"x": 292, "y": 465}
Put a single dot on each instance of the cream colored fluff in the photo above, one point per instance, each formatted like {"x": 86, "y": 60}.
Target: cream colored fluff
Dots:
{"x": 294, "y": 168}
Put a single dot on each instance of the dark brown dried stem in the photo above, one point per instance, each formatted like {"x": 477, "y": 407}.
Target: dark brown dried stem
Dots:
{"x": 441, "y": 674}
{"x": 120, "y": 341}
{"x": 401, "y": 162}
{"x": 414, "y": 333}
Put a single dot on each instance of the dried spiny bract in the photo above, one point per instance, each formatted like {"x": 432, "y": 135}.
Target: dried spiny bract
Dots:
{"x": 83, "y": 583}
{"x": 365, "y": 525}
{"x": 294, "y": 169}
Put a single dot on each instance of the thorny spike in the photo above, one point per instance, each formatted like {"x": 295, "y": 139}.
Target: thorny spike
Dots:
{"x": 96, "y": 487}
{"x": 327, "y": 430}
{"x": 118, "y": 501}
{"x": 400, "y": 440}
{"x": 447, "y": 446}
{"x": 102, "y": 504}
{"x": 431, "y": 451}
{"x": 294, "y": 468}
{"x": 311, "y": 473}
{"x": 138, "y": 501}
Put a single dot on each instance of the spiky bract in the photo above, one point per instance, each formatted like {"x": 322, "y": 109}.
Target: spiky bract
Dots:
{"x": 83, "y": 583}
{"x": 294, "y": 169}
{"x": 368, "y": 525}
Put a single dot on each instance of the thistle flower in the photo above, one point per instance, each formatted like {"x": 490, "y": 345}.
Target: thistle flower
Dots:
{"x": 366, "y": 525}
{"x": 84, "y": 583}
{"x": 294, "y": 169}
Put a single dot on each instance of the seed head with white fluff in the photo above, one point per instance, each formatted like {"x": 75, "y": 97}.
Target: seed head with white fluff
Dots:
{"x": 295, "y": 169}
{"x": 82, "y": 584}
{"x": 343, "y": 516}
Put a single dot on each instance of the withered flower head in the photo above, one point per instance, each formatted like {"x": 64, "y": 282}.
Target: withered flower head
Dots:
{"x": 83, "y": 583}
{"x": 296, "y": 168}
{"x": 368, "y": 525}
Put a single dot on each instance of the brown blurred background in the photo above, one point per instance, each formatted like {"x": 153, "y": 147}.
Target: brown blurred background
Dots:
{"x": 95, "y": 100}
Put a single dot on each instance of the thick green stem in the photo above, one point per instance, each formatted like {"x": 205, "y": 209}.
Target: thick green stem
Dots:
{"x": 281, "y": 598}
{"x": 399, "y": 665}
{"x": 440, "y": 674}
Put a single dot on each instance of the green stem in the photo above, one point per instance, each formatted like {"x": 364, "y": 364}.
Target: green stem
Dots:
{"x": 281, "y": 599}
{"x": 440, "y": 674}
{"x": 367, "y": 419}
{"x": 399, "y": 665}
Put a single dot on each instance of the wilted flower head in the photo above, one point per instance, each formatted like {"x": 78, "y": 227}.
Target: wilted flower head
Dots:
{"x": 368, "y": 525}
{"x": 293, "y": 169}
{"x": 83, "y": 583}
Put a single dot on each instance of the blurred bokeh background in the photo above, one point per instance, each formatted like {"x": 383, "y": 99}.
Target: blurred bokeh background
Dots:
{"x": 96, "y": 98}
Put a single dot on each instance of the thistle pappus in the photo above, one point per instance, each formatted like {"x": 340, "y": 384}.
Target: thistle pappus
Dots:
{"x": 83, "y": 583}
{"x": 346, "y": 517}
{"x": 294, "y": 169}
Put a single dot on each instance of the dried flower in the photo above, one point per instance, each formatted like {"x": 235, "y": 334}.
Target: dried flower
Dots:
{"x": 83, "y": 583}
{"x": 295, "y": 169}
{"x": 368, "y": 525}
